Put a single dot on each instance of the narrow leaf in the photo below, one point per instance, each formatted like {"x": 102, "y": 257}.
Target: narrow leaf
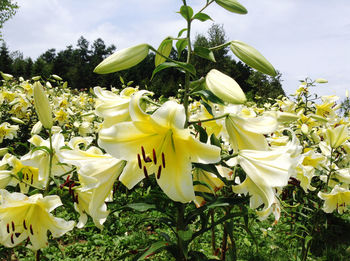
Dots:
{"x": 202, "y": 17}
{"x": 204, "y": 53}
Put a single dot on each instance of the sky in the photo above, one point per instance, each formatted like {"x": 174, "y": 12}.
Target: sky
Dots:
{"x": 300, "y": 38}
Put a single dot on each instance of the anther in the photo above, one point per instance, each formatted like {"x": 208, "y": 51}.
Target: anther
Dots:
{"x": 27, "y": 176}
{"x": 139, "y": 161}
{"x": 159, "y": 171}
{"x": 13, "y": 226}
{"x": 154, "y": 157}
{"x": 17, "y": 234}
{"x": 31, "y": 180}
{"x": 143, "y": 153}
{"x": 31, "y": 229}
{"x": 12, "y": 239}
{"x": 24, "y": 224}
{"x": 76, "y": 198}
{"x": 145, "y": 171}
{"x": 8, "y": 228}
{"x": 163, "y": 159}
{"x": 148, "y": 159}
{"x": 27, "y": 241}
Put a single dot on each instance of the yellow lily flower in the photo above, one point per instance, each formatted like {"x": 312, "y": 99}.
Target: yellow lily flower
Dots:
{"x": 266, "y": 171}
{"x": 337, "y": 136}
{"x": 97, "y": 174}
{"x": 210, "y": 179}
{"x": 112, "y": 107}
{"x": 23, "y": 217}
{"x": 339, "y": 199}
{"x": 247, "y": 132}
{"x": 159, "y": 144}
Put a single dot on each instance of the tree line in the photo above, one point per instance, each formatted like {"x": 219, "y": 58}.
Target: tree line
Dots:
{"x": 75, "y": 64}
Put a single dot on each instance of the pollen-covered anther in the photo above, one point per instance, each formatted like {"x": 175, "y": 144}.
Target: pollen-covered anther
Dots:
{"x": 159, "y": 171}
{"x": 8, "y": 228}
{"x": 154, "y": 157}
{"x": 13, "y": 226}
{"x": 163, "y": 159}
{"x": 31, "y": 229}
{"x": 32, "y": 180}
{"x": 139, "y": 161}
{"x": 24, "y": 225}
{"x": 145, "y": 172}
{"x": 12, "y": 241}
{"x": 143, "y": 153}
{"x": 76, "y": 199}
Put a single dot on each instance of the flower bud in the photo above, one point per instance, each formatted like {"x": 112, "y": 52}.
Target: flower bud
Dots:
{"x": 321, "y": 80}
{"x": 6, "y": 76}
{"x": 16, "y": 120}
{"x": 224, "y": 87}
{"x": 232, "y": 6}
{"x": 3, "y": 151}
{"x": 56, "y": 77}
{"x": 37, "y": 128}
{"x": 123, "y": 59}
{"x": 252, "y": 57}
{"x": 42, "y": 106}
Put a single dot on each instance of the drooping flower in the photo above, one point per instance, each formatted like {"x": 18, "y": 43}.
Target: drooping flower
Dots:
{"x": 338, "y": 198}
{"x": 23, "y": 217}
{"x": 158, "y": 144}
{"x": 97, "y": 174}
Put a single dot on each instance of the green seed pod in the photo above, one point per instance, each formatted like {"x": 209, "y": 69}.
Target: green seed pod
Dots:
{"x": 42, "y": 106}
{"x": 123, "y": 59}
{"x": 252, "y": 57}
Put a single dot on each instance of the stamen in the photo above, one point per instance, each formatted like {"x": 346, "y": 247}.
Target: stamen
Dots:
{"x": 13, "y": 226}
{"x": 8, "y": 228}
{"x": 31, "y": 229}
{"x": 76, "y": 198}
{"x": 143, "y": 153}
{"x": 24, "y": 225}
{"x": 27, "y": 178}
{"x": 139, "y": 161}
{"x": 154, "y": 157}
{"x": 159, "y": 171}
{"x": 27, "y": 241}
{"x": 12, "y": 239}
{"x": 31, "y": 180}
{"x": 163, "y": 159}
{"x": 145, "y": 171}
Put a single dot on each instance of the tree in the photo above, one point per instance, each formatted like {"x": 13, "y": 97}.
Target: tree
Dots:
{"x": 5, "y": 59}
{"x": 8, "y": 9}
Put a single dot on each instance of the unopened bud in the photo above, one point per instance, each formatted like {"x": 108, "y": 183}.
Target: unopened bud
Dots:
{"x": 123, "y": 59}
{"x": 42, "y": 106}
{"x": 16, "y": 120}
{"x": 252, "y": 57}
{"x": 232, "y": 6}
{"x": 224, "y": 87}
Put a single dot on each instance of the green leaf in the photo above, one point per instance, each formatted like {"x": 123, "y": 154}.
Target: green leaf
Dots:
{"x": 154, "y": 248}
{"x": 180, "y": 46}
{"x": 186, "y": 12}
{"x": 215, "y": 141}
{"x": 164, "y": 49}
{"x": 204, "y": 53}
{"x": 182, "y": 66}
{"x": 43, "y": 148}
{"x": 209, "y": 96}
{"x": 252, "y": 57}
{"x": 232, "y": 6}
{"x": 207, "y": 107}
{"x": 121, "y": 80}
{"x": 141, "y": 207}
{"x": 203, "y": 136}
{"x": 202, "y": 17}
{"x": 181, "y": 32}
{"x": 185, "y": 235}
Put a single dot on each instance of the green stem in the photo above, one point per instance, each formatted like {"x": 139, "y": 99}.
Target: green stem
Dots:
{"x": 187, "y": 74}
{"x": 180, "y": 226}
{"x": 224, "y": 243}
{"x": 212, "y": 232}
{"x": 50, "y": 162}
{"x": 207, "y": 4}
{"x": 221, "y": 46}
{"x": 37, "y": 255}
{"x": 211, "y": 119}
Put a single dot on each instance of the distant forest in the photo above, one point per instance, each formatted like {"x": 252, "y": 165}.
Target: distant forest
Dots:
{"x": 76, "y": 65}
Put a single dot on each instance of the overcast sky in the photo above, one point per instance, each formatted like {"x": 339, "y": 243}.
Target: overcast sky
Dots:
{"x": 300, "y": 38}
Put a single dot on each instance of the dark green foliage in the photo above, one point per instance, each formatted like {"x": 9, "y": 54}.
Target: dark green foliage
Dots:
{"x": 76, "y": 65}
{"x": 8, "y": 8}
